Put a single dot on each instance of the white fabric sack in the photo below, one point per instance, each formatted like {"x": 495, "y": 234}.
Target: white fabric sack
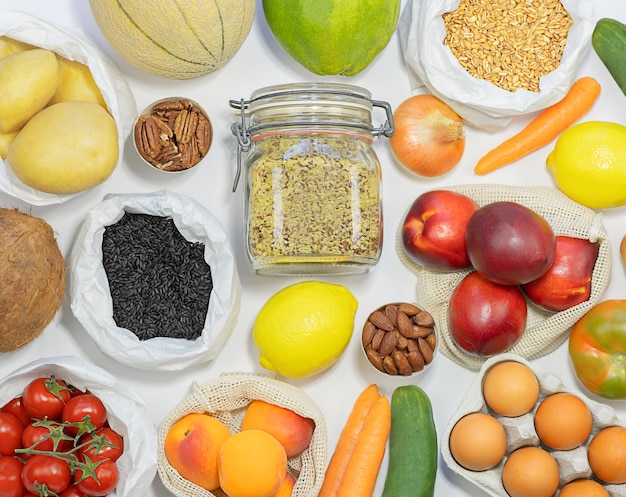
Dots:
{"x": 434, "y": 69}
{"x": 72, "y": 45}
{"x": 126, "y": 414}
{"x": 91, "y": 300}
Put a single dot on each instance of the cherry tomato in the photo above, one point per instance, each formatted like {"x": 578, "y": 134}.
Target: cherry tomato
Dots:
{"x": 10, "y": 433}
{"x": 105, "y": 443}
{"x": 16, "y": 407}
{"x": 42, "y": 469}
{"x": 10, "y": 477}
{"x": 106, "y": 474}
{"x": 78, "y": 408}
{"x": 45, "y": 398}
{"x": 42, "y": 437}
{"x": 72, "y": 491}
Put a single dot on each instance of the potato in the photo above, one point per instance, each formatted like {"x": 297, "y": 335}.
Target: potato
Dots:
{"x": 9, "y": 46}
{"x": 28, "y": 80}
{"x": 76, "y": 83}
{"x": 5, "y": 142}
{"x": 68, "y": 147}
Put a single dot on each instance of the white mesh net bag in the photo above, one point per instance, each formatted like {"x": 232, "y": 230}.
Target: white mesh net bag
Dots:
{"x": 226, "y": 398}
{"x": 545, "y": 330}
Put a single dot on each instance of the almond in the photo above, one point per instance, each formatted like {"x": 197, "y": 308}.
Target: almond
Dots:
{"x": 380, "y": 320}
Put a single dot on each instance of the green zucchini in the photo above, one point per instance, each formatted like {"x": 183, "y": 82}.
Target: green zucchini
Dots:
{"x": 413, "y": 451}
{"x": 609, "y": 42}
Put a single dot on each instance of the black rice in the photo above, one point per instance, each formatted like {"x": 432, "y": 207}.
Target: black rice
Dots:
{"x": 159, "y": 281}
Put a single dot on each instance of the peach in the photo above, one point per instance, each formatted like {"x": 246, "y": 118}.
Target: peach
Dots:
{"x": 293, "y": 431}
{"x": 286, "y": 489}
{"x": 192, "y": 445}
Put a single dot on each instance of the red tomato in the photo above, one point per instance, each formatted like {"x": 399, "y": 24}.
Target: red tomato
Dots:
{"x": 44, "y": 470}
{"x": 45, "y": 398}
{"x": 10, "y": 477}
{"x": 10, "y": 433}
{"x": 16, "y": 407}
{"x": 72, "y": 491}
{"x": 105, "y": 481}
{"x": 78, "y": 408}
{"x": 42, "y": 437}
{"x": 105, "y": 443}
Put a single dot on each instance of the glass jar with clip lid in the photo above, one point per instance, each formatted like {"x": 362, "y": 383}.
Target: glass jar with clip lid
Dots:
{"x": 312, "y": 180}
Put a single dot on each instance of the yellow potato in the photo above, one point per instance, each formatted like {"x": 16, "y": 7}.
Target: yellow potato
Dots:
{"x": 5, "y": 141}
{"x": 68, "y": 147}
{"x": 9, "y": 46}
{"x": 76, "y": 83}
{"x": 28, "y": 80}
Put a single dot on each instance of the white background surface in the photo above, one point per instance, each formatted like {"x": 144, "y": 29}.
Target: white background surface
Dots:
{"x": 261, "y": 62}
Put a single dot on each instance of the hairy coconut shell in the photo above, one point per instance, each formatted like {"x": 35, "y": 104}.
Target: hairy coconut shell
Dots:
{"x": 32, "y": 278}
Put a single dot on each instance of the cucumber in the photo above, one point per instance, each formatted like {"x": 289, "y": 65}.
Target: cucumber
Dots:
{"x": 413, "y": 451}
{"x": 609, "y": 42}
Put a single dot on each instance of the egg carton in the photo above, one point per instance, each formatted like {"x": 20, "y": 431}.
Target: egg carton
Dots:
{"x": 521, "y": 432}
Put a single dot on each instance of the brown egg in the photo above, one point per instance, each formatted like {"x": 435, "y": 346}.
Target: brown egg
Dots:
{"x": 583, "y": 488}
{"x": 530, "y": 472}
{"x": 510, "y": 388}
{"x": 607, "y": 454}
{"x": 478, "y": 441}
{"x": 563, "y": 421}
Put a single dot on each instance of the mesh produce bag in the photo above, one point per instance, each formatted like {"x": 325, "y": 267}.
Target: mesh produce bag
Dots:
{"x": 226, "y": 398}
{"x": 545, "y": 330}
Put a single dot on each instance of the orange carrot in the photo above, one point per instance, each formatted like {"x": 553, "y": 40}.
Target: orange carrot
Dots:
{"x": 360, "y": 477}
{"x": 544, "y": 128}
{"x": 347, "y": 441}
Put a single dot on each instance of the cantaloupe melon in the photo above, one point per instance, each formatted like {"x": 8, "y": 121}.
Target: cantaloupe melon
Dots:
{"x": 175, "y": 39}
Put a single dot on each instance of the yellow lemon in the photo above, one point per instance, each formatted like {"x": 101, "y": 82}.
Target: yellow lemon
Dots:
{"x": 304, "y": 328}
{"x": 588, "y": 164}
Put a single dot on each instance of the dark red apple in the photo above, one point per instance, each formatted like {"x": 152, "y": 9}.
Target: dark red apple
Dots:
{"x": 433, "y": 232}
{"x": 568, "y": 281}
{"x": 486, "y": 318}
{"x": 509, "y": 243}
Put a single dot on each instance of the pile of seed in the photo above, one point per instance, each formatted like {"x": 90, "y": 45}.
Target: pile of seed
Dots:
{"x": 511, "y": 43}
{"x": 160, "y": 282}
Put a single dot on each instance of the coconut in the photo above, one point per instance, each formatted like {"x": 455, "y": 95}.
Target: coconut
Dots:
{"x": 32, "y": 278}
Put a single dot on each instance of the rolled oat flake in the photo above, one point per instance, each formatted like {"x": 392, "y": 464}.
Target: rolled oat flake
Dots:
{"x": 312, "y": 199}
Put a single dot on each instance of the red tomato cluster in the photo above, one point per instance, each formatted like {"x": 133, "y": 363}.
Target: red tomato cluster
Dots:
{"x": 55, "y": 440}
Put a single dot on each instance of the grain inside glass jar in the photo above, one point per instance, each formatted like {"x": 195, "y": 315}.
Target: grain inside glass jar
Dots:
{"x": 511, "y": 43}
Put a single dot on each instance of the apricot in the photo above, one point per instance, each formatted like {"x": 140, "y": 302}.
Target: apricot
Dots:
{"x": 291, "y": 429}
{"x": 192, "y": 445}
{"x": 286, "y": 489}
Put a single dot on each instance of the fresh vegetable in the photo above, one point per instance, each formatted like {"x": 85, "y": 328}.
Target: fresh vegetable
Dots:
{"x": 596, "y": 348}
{"x": 11, "y": 477}
{"x": 103, "y": 480}
{"x": 609, "y": 42}
{"x": 347, "y": 441}
{"x": 45, "y": 471}
{"x": 45, "y": 397}
{"x": 428, "y": 137}
{"x": 412, "y": 445}
{"x": 176, "y": 40}
{"x": 361, "y": 473}
{"x": 544, "y": 128}
{"x": 332, "y": 37}
{"x": 87, "y": 408}
{"x": 10, "y": 433}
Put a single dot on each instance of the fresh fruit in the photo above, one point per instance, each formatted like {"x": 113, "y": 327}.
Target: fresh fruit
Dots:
{"x": 588, "y": 164}
{"x": 433, "y": 231}
{"x": 28, "y": 80}
{"x": 181, "y": 40}
{"x": 293, "y": 431}
{"x": 332, "y": 37}
{"x": 568, "y": 281}
{"x": 606, "y": 454}
{"x": 609, "y": 42}
{"x": 563, "y": 421}
{"x": 477, "y": 441}
{"x": 428, "y": 137}
{"x": 596, "y": 348}
{"x": 31, "y": 296}
{"x": 76, "y": 83}
{"x": 304, "y": 328}
{"x": 510, "y": 388}
{"x": 286, "y": 489}
{"x": 251, "y": 463}
{"x": 413, "y": 450}
{"x": 192, "y": 446}
{"x": 486, "y": 318}
{"x": 509, "y": 243}
{"x": 530, "y": 472}
{"x": 68, "y": 147}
